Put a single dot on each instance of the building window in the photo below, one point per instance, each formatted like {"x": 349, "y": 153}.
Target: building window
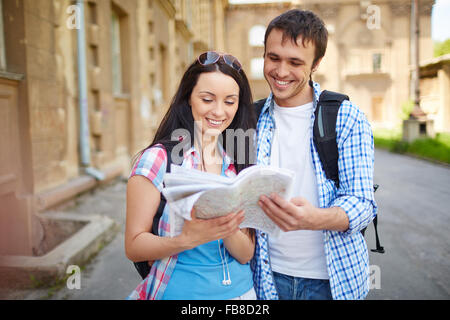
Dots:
{"x": 256, "y": 36}
{"x": 116, "y": 56}
{"x": 92, "y": 8}
{"x": 2, "y": 41}
{"x": 257, "y": 68}
{"x": 376, "y": 62}
{"x": 164, "y": 74}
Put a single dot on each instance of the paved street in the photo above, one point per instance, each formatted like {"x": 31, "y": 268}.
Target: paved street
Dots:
{"x": 414, "y": 219}
{"x": 110, "y": 275}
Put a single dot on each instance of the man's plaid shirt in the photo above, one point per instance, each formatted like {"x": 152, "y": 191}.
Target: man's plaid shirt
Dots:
{"x": 346, "y": 252}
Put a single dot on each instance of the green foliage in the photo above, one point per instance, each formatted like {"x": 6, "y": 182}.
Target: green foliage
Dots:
{"x": 407, "y": 107}
{"x": 444, "y": 138}
{"x": 384, "y": 143}
{"x": 400, "y": 146}
{"x": 441, "y": 48}
{"x": 35, "y": 283}
{"x": 437, "y": 148}
{"x": 430, "y": 148}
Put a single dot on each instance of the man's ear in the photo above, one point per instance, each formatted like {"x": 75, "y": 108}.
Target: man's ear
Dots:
{"x": 316, "y": 65}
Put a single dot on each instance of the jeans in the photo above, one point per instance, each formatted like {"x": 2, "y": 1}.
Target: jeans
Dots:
{"x": 294, "y": 288}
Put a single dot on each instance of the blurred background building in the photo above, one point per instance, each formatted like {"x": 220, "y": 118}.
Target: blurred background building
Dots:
{"x": 367, "y": 55}
{"x": 135, "y": 54}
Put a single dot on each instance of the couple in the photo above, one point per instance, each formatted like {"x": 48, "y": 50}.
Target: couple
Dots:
{"x": 322, "y": 254}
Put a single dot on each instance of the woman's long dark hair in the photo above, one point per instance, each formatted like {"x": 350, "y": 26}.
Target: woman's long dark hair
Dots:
{"x": 179, "y": 114}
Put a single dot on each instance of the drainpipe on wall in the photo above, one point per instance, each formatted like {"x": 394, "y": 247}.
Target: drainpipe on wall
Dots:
{"x": 417, "y": 112}
{"x": 82, "y": 98}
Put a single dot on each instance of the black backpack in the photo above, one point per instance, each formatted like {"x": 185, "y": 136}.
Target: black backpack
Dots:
{"x": 324, "y": 137}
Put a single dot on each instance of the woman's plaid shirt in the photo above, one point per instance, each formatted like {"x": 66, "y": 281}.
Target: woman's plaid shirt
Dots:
{"x": 152, "y": 165}
{"x": 346, "y": 252}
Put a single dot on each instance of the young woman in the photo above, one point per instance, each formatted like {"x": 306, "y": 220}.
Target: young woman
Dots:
{"x": 210, "y": 258}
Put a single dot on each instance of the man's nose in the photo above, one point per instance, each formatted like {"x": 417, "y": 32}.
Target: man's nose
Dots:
{"x": 282, "y": 70}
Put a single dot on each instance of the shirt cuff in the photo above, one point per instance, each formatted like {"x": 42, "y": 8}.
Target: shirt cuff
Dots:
{"x": 360, "y": 212}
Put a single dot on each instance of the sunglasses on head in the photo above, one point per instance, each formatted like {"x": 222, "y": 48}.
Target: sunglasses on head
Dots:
{"x": 211, "y": 57}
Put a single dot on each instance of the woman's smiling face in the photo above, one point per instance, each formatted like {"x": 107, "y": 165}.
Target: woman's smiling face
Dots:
{"x": 214, "y": 102}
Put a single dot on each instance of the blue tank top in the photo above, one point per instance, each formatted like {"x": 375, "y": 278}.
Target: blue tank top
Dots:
{"x": 199, "y": 273}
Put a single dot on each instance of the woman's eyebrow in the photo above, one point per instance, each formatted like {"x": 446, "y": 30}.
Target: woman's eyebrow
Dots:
{"x": 228, "y": 96}
{"x": 207, "y": 92}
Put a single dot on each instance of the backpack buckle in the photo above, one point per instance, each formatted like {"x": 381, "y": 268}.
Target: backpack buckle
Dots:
{"x": 378, "y": 250}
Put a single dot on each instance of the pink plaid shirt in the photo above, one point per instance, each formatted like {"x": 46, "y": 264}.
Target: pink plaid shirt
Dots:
{"x": 152, "y": 164}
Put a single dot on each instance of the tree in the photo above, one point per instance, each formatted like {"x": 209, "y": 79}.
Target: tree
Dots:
{"x": 441, "y": 48}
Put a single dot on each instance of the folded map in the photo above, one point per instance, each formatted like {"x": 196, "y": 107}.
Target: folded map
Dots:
{"x": 213, "y": 196}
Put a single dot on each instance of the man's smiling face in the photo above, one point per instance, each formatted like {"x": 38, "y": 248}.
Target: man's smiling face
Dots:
{"x": 287, "y": 68}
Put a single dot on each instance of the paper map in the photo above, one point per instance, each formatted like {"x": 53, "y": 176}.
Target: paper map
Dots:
{"x": 214, "y": 196}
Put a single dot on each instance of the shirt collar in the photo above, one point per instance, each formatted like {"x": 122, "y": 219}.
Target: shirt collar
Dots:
{"x": 195, "y": 156}
{"x": 316, "y": 93}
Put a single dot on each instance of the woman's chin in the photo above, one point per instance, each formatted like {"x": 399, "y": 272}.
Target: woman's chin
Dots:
{"x": 212, "y": 132}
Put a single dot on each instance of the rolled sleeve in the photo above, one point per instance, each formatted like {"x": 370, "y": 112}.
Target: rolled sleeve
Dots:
{"x": 152, "y": 165}
{"x": 360, "y": 212}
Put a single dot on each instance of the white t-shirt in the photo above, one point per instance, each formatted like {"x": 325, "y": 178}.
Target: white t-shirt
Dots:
{"x": 297, "y": 253}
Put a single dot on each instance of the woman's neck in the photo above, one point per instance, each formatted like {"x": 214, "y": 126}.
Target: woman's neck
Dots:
{"x": 211, "y": 160}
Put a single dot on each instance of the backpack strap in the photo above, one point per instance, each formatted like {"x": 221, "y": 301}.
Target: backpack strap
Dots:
{"x": 162, "y": 201}
{"x": 379, "y": 248}
{"x": 258, "y": 107}
{"x": 324, "y": 136}
{"x": 324, "y": 132}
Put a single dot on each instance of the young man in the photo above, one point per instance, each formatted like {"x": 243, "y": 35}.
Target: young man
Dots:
{"x": 322, "y": 254}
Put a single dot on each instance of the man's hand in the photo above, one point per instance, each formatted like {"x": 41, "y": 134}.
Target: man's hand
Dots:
{"x": 300, "y": 214}
{"x": 297, "y": 214}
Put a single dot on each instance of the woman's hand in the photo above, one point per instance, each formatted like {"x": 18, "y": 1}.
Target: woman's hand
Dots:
{"x": 241, "y": 245}
{"x": 200, "y": 231}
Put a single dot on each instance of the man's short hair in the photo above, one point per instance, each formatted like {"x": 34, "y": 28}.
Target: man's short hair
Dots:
{"x": 302, "y": 23}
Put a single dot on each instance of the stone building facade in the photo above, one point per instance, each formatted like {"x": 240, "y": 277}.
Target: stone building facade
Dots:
{"x": 435, "y": 91}
{"x": 368, "y": 53}
{"x": 136, "y": 52}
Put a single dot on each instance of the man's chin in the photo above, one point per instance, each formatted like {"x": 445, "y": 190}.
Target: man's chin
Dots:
{"x": 280, "y": 96}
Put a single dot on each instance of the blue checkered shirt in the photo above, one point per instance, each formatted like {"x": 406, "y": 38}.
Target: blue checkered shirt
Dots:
{"x": 346, "y": 252}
